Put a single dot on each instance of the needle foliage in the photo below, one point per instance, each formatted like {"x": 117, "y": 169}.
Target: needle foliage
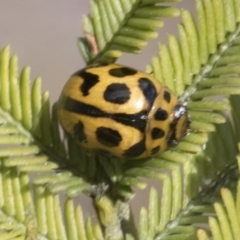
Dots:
{"x": 199, "y": 197}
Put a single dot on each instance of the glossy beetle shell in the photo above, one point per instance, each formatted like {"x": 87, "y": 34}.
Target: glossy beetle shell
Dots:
{"x": 121, "y": 111}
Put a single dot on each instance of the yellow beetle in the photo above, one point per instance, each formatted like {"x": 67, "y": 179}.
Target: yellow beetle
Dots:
{"x": 121, "y": 111}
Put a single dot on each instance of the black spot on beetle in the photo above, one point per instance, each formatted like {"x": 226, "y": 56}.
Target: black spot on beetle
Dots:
{"x": 117, "y": 93}
{"x": 167, "y": 96}
{"x": 161, "y": 114}
{"x": 89, "y": 80}
{"x": 108, "y": 137}
{"x": 157, "y": 133}
{"x": 122, "y": 72}
{"x": 148, "y": 90}
{"x": 137, "y": 120}
{"x": 135, "y": 150}
{"x": 155, "y": 150}
{"x": 79, "y": 134}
